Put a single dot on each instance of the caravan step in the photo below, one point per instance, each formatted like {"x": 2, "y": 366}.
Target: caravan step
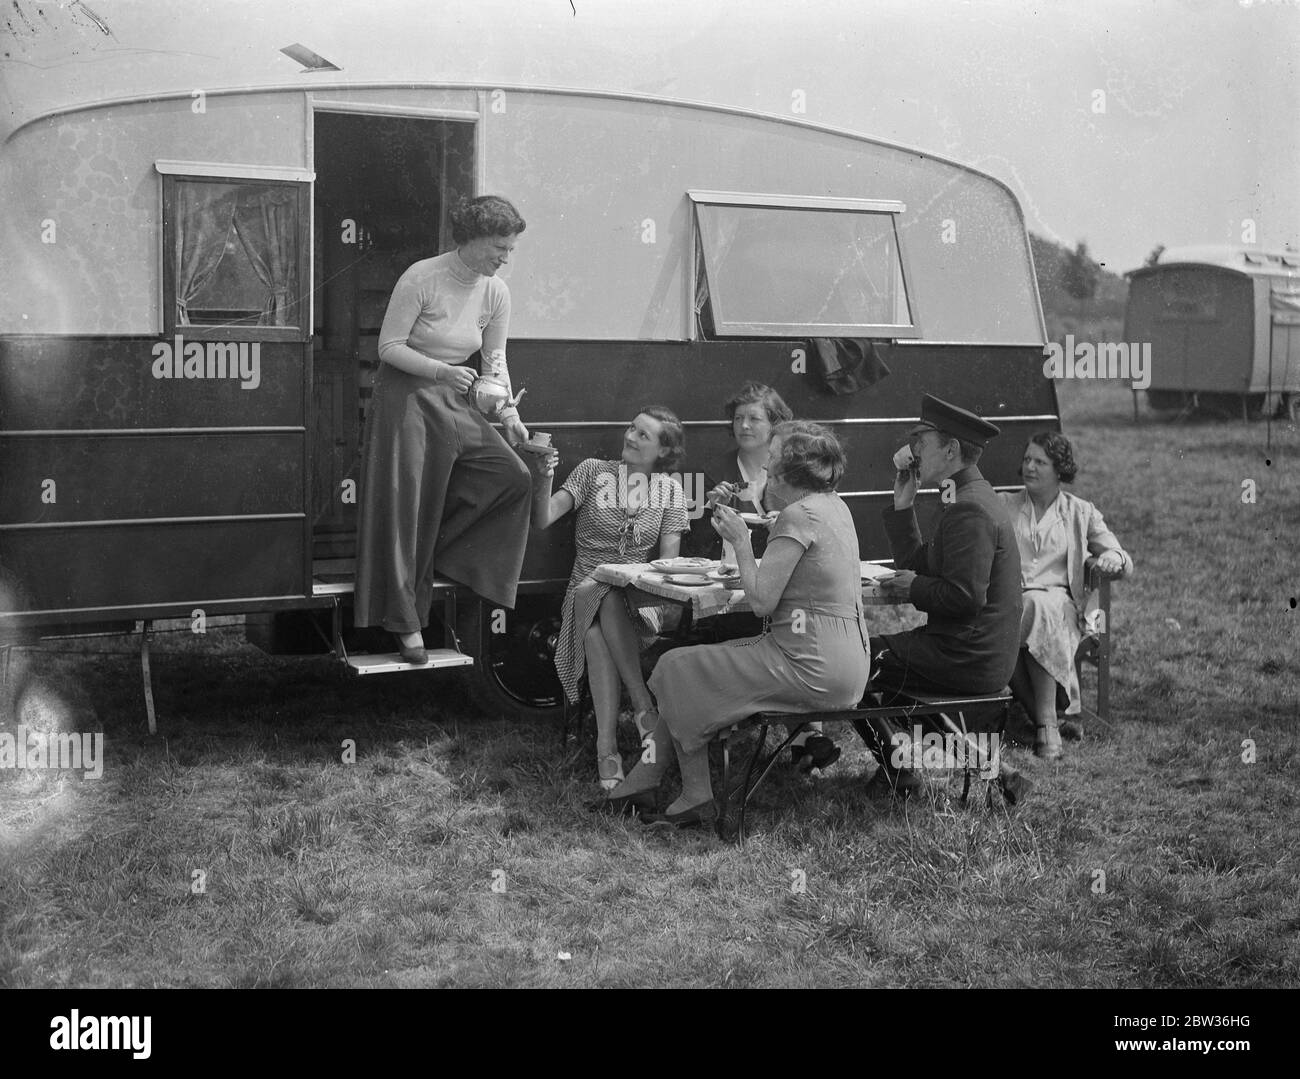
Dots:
{"x": 344, "y": 584}
{"x": 388, "y": 662}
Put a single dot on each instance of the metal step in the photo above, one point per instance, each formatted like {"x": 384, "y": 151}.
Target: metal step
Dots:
{"x": 344, "y": 584}
{"x": 389, "y": 662}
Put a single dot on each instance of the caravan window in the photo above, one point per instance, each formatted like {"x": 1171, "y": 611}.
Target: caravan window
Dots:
{"x": 1189, "y": 294}
{"x": 234, "y": 258}
{"x": 785, "y": 267}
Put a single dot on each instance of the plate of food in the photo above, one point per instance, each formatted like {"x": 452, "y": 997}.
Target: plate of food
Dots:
{"x": 755, "y": 520}
{"x": 689, "y": 580}
{"x": 683, "y": 564}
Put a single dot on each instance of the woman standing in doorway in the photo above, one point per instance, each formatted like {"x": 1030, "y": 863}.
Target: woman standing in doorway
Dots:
{"x": 441, "y": 491}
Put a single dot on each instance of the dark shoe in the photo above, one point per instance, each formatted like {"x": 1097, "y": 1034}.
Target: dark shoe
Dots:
{"x": 1015, "y": 788}
{"x": 637, "y": 802}
{"x": 704, "y": 813}
{"x": 1047, "y": 742}
{"x": 817, "y": 752}
{"x": 1071, "y": 730}
{"x": 418, "y": 655}
{"x": 887, "y": 783}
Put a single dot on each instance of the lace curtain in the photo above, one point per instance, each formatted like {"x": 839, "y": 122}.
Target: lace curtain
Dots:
{"x": 265, "y": 222}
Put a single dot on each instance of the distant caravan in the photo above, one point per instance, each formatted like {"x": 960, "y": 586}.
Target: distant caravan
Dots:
{"x": 1223, "y": 324}
{"x": 195, "y": 281}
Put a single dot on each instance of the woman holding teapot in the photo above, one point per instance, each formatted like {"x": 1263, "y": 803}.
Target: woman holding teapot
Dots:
{"x": 441, "y": 491}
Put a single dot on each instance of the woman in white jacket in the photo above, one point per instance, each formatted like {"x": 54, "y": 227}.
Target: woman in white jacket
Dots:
{"x": 1056, "y": 531}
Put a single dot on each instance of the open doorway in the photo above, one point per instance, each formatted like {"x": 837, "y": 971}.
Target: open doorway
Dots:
{"x": 384, "y": 188}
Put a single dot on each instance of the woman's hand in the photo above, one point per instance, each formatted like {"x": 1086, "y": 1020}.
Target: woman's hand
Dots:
{"x": 516, "y": 432}
{"x": 722, "y": 495}
{"x": 544, "y": 463}
{"x": 728, "y": 525}
{"x": 458, "y": 376}
{"x": 1110, "y": 564}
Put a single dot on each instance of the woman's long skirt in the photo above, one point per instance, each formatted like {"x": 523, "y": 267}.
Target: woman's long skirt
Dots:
{"x": 441, "y": 493}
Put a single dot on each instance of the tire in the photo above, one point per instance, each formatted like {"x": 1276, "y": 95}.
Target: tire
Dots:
{"x": 514, "y": 670}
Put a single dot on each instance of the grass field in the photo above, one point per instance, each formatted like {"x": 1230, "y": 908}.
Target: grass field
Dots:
{"x": 239, "y": 849}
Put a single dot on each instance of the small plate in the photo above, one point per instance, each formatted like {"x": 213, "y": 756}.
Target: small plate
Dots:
{"x": 685, "y": 565}
{"x": 723, "y": 573}
{"x": 688, "y": 580}
{"x": 755, "y": 519}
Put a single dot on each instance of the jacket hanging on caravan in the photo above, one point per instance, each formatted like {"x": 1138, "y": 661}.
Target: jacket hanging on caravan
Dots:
{"x": 847, "y": 364}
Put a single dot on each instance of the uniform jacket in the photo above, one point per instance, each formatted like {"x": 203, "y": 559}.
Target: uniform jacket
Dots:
{"x": 968, "y": 583}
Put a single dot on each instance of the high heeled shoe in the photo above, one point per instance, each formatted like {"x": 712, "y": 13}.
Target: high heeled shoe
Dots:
{"x": 646, "y": 722}
{"x": 818, "y": 752}
{"x": 704, "y": 813}
{"x": 416, "y": 654}
{"x": 1047, "y": 742}
{"x": 610, "y": 777}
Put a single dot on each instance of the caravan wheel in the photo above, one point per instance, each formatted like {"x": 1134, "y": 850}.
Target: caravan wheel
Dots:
{"x": 514, "y": 657}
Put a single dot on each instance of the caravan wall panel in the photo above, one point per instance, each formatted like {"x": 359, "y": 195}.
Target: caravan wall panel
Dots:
{"x": 132, "y": 565}
{"x": 1199, "y": 322}
{"x": 607, "y": 254}
{"x": 78, "y": 383}
{"x": 585, "y": 393}
{"x": 107, "y": 477}
{"x": 87, "y": 180}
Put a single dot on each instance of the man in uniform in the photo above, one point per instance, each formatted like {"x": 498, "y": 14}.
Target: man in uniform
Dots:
{"x": 966, "y": 579}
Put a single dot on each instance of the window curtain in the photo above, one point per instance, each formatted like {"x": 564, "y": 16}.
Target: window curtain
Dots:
{"x": 722, "y": 229}
{"x": 203, "y": 225}
{"x": 265, "y": 222}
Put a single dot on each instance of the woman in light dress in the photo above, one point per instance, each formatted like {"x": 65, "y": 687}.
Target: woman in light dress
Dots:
{"x": 1056, "y": 531}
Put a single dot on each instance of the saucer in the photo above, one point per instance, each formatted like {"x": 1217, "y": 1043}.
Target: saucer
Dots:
{"x": 688, "y": 580}
{"x": 533, "y": 447}
{"x": 685, "y": 565}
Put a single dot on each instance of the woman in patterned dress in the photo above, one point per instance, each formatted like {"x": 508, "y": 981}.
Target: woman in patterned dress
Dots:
{"x": 815, "y": 655}
{"x": 624, "y": 508}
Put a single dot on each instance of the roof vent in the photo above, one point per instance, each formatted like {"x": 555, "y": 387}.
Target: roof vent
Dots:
{"x": 310, "y": 61}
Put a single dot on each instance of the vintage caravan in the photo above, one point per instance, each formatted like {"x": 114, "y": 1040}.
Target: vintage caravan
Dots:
{"x": 199, "y": 246}
{"x": 1223, "y": 324}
